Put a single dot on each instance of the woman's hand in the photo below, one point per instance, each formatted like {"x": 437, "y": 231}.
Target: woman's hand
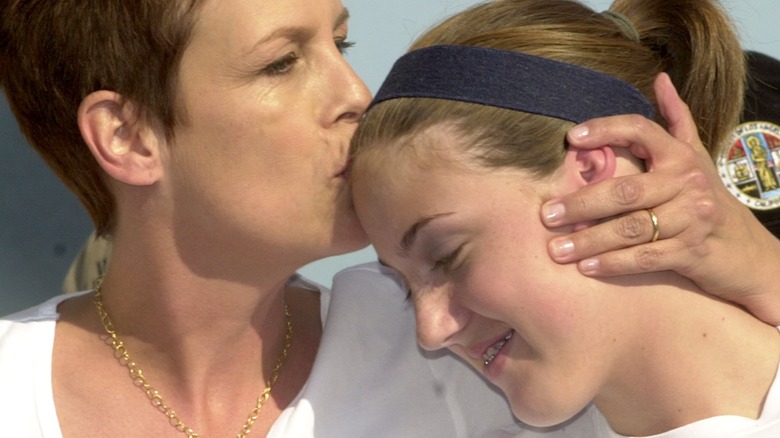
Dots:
{"x": 704, "y": 232}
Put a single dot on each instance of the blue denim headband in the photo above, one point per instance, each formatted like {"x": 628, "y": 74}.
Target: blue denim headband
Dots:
{"x": 511, "y": 80}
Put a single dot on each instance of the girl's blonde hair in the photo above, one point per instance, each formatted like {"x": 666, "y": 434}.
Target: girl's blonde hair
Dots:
{"x": 692, "y": 40}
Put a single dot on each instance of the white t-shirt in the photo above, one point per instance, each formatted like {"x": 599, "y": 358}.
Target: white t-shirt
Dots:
{"x": 369, "y": 378}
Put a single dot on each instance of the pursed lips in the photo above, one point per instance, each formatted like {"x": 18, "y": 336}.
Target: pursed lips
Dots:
{"x": 344, "y": 171}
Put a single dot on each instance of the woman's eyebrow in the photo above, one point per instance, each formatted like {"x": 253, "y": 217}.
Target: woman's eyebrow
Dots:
{"x": 297, "y": 32}
{"x": 342, "y": 18}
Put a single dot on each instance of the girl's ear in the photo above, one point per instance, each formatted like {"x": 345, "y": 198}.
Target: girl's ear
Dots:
{"x": 590, "y": 166}
{"x": 583, "y": 167}
{"x": 125, "y": 146}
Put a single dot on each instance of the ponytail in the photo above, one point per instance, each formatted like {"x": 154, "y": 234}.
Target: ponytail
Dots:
{"x": 697, "y": 46}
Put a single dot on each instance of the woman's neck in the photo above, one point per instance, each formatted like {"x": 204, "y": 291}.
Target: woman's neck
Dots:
{"x": 211, "y": 376}
{"x": 191, "y": 327}
{"x": 694, "y": 357}
{"x": 202, "y": 314}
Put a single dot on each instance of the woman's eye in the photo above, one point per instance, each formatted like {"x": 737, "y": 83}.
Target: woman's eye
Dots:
{"x": 344, "y": 45}
{"x": 281, "y": 66}
{"x": 445, "y": 263}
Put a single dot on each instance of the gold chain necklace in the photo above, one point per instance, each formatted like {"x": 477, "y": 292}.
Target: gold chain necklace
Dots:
{"x": 121, "y": 353}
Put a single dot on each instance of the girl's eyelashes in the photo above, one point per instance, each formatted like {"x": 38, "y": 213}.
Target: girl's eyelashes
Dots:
{"x": 405, "y": 286}
{"x": 344, "y": 45}
{"x": 401, "y": 279}
{"x": 445, "y": 263}
{"x": 281, "y": 66}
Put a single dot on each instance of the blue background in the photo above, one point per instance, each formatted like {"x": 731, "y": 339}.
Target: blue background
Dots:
{"x": 42, "y": 225}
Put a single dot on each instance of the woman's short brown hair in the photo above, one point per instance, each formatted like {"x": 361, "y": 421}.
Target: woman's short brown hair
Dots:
{"x": 53, "y": 53}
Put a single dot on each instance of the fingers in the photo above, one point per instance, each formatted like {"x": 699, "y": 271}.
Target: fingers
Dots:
{"x": 625, "y": 231}
{"x": 673, "y": 162}
{"x": 702, "y": 227}
{"x": 684, "y": 203}
{"x": 630, "y": 131}
{"x": 681, "y": 187}
{"x": 645, "y": 138}
{"x": 675, "y": 112}
{"x": 628, "y": 230}
{"x": 658, "y": 256}
{"x": 611, "y": 197}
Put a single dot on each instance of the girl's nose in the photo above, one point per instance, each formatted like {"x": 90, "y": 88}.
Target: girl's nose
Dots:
{"x": 439, "y": 318}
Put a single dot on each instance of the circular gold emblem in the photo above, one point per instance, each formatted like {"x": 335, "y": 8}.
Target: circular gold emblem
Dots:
{"x": 749, "y": 166}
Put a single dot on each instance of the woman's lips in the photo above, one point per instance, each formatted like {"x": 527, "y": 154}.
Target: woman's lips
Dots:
{"x": 494, "y": 349}
{"x": 344, "y": 172}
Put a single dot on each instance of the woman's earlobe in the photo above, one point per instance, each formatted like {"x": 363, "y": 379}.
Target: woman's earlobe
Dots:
{"x": 118, "y": 138}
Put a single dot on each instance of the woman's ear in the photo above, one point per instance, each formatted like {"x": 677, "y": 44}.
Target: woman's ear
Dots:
{"x": 125, "y": 146}
{"x": 591, "y": 165}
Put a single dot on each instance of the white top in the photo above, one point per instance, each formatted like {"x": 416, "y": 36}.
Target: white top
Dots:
{"x": 369, "y": 377}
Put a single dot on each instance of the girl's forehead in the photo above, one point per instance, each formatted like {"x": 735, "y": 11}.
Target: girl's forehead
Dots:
{"x": 421, "y": 152}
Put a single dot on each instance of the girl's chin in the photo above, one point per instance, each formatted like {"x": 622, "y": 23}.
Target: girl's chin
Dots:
{"x": 541, "y": 409}
{"x": 547, "y": 419}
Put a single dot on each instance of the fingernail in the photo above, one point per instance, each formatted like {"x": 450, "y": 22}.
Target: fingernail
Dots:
{"x": 553, "y": 213}
{"x": 589, "y": 266}
{"x": 579, "y": 131}
{"x": 562, "y": 248}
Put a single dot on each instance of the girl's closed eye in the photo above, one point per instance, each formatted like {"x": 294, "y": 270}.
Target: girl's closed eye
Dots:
{"x": 404, "y": 286}
{"x": 447, "y": 263}
{"x": 401, "y": 279}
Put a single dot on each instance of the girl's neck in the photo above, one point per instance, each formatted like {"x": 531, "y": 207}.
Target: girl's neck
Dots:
{"x": 695, "y": 357}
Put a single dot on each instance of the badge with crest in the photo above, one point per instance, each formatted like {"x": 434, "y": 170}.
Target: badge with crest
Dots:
{"x": 750, "y": 165}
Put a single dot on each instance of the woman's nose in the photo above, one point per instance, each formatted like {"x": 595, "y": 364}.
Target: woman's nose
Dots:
{"x": 356, "y": 94}
{"x": 439, "y": 318}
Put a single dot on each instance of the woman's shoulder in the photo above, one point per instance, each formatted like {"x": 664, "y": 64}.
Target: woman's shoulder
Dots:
{"x": 22, "y": 331}
{"x": 26, "y": 343}
{"x": 31, "y": 331}
{"x": 46, "y": 311}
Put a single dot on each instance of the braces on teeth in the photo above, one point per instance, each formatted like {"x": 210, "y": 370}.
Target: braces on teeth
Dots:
{"x": 491, "y": 353}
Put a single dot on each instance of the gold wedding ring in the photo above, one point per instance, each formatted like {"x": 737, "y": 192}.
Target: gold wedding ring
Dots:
{"x": 656, "y": 230}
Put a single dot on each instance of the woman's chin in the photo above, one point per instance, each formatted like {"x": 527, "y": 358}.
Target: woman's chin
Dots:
{"x": 349, "y": 236}
{"x": 352, "y": 245}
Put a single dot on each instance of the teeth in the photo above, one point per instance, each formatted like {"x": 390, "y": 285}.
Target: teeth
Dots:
{"x": 491, "y": 353}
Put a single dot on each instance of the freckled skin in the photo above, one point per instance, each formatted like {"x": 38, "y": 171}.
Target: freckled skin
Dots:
{"x": 615, "y": 342}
